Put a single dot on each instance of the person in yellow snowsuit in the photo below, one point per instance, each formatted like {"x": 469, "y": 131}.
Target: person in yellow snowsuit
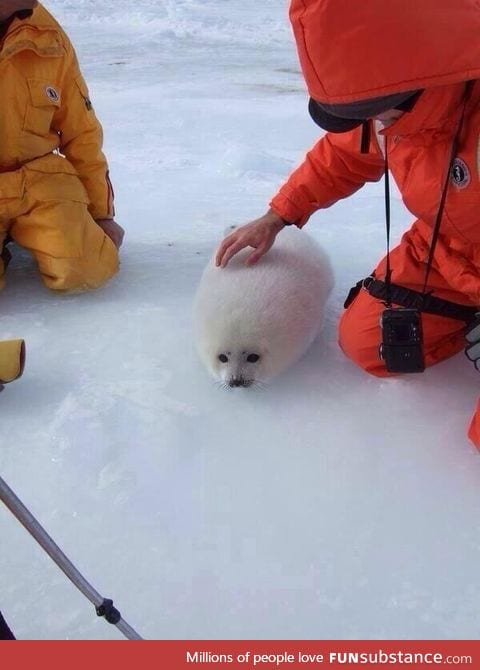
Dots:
{"x": 56, "y": 199}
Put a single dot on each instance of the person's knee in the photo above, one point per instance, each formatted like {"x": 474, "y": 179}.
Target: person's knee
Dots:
{"x": 72, "y": 251}
{"x": 359, "y": 339}
{"x": 76, "y": 275}
{"x": 71, "y": 281}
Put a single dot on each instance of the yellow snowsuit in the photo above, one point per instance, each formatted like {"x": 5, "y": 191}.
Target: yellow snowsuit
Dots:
{"x": 54, "y": 179}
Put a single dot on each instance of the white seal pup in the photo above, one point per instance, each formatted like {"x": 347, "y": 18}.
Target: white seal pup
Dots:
{"x": 252, "y": 322}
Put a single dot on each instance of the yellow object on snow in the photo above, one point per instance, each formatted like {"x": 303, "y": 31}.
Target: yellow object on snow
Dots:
{"x": 12, "y": 360}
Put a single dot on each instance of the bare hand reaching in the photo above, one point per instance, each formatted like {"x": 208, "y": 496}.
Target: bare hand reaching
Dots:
{"x": 259, "y": 234}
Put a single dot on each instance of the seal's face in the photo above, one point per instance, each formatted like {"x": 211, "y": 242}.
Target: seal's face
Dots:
{"x": 242, "y": 367}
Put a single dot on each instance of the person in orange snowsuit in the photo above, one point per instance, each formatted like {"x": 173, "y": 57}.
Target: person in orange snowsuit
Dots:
{"x": 56, "y": 199}
{"x": 394, "y": 81}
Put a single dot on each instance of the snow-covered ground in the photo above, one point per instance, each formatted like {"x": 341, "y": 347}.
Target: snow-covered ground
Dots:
{"x": 332, "y": 504}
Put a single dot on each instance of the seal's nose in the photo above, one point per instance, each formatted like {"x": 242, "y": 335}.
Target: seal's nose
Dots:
{"x": 240, "y": 381}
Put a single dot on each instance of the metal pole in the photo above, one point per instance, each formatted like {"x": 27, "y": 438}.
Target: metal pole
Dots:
{"x": 103, "y": 606}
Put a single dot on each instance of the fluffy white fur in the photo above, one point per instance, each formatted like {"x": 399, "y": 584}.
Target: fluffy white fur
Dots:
{"x": 272, "y": 310}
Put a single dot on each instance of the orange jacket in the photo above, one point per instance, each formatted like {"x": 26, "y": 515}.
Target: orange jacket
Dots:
{"x": 45, "y": 106}
{"x": 356, "y": 50}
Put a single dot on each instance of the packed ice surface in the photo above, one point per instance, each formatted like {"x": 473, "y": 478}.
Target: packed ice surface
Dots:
{"x": 331, "y": 505}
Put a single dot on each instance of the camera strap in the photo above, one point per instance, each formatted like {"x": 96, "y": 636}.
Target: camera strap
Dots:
{"x": 441, "y": 206}
{"x": 388, "y": 271}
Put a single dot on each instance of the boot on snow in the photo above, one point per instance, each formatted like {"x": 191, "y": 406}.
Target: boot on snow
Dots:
{"x": 12, "y": 360}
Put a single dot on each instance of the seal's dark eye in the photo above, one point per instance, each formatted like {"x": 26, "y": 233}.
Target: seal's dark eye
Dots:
{"x": 253, "y": 358}
{"x": 222, "y": 358}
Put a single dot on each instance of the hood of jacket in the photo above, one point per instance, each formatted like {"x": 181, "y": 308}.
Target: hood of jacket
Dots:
{"x": 356, "y": 49}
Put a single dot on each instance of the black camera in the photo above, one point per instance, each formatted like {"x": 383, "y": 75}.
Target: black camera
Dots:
{"x": 401, "y": 347}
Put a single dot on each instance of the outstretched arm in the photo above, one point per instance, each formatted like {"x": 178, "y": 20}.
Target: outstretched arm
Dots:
{"x": 81, "y": 140}
{"x": 332, "y": 170}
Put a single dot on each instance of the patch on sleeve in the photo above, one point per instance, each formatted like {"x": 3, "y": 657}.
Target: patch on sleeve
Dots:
{"x": 459, "y": 173}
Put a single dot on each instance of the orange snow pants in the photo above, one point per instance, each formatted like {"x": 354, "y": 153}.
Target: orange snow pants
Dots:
{"x": 44, "y": 208}
{"x": 359, "y": 329}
